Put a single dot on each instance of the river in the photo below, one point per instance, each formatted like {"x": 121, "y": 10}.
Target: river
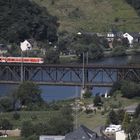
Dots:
{"x": 50, "y": 93}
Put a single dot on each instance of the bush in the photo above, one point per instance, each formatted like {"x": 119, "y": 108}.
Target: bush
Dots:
{"x": 16, "y": 116}
{"x": 118, "y": 51}
{"x": 97, "y": 101}
{"x": 88, "y": 111}
{"x": 32, "y": 137}
{"x": 87, "y": 94}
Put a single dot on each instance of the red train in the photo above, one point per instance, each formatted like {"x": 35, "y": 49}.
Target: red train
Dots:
{"x": 21, "y": 60}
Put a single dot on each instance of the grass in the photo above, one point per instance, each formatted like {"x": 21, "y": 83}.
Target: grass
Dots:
{"x": 10, "y": 138}
{"x": 92, "y": 120}
{"x": 92, "y": 15}
{"x": 34, "y": 116}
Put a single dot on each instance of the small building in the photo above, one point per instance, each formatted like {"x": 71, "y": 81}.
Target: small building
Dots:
{"x": 110, "y": 36}
{"x": 113, "y": 128}
{"x": 51, "y": 137}
{"x": 120, "y": 135}
{"x": 130, "y": 38}
{"x": 26, "y": 45}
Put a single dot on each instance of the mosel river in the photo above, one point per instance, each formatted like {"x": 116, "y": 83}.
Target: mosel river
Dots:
{"x": 50, "y": 93}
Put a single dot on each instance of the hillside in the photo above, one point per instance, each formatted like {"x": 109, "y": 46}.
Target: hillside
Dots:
{"x": 93, "y": 15}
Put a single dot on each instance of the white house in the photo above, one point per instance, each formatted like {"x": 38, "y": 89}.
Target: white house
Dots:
{"x": 120, "y": 135}
{"x": 130, "y": 38}
{"x": 110, "y": 36}
{"x": 113, "y": 128}
{"x": 25, "y": 45}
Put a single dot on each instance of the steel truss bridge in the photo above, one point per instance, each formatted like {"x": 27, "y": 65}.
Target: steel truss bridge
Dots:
{"x": 68, "y": 75}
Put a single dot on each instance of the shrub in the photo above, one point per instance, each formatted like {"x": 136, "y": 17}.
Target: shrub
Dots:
{"x": 88, "y": 111}
{"x": 16, "y": 116}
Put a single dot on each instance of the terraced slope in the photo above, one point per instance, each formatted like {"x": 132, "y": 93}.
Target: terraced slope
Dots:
{"x": 93, "y": 15}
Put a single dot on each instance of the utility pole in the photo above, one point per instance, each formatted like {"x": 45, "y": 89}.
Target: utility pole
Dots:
{"x": 76, "y": 109}
{"x": 21, "y": 70}
{"x": 83, "y": 76}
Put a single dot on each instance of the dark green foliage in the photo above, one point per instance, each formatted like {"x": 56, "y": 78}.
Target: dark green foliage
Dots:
{"x": 29, "y": 94}
{"x": 27, "y": 129}
{"x": 126, "y": 122}
{"x": 137, "y": 112}
{"x": 116, "y": 86}
{"x": 16, "y": 116}
{"x": 52, "y": 56}
{"x": 135, "y": 4}
{"x": 97, "y": 101}
{"x": 120, "y": 114}
{"x": 128, "y": 89}
{"x": 5, "y": 124}
{"x": 112, "y": 117}
{"x": 134, "y": 129}
{"x": 88, "y": 94}
{"x": 24, "y": 19}
{"x": 82, "y": 43}
{"x": 119, "y": 51}
{"x": 88, "y": 43}
{"x": 6, "y": 104}
{"x": 88, "y": 111}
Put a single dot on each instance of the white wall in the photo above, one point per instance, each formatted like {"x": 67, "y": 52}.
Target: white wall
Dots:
{"x": 51, "y": 137}
{"x": 120, "y": 135}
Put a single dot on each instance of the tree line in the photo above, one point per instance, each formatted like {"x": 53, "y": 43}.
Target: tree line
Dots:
{"x": 135, "y": 4}
{"x": 24, "y": 19}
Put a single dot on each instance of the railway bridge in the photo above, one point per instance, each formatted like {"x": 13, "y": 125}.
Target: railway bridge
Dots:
{"x": 68, "y": 75}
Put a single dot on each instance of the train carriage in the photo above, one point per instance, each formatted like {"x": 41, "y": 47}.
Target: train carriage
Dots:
{"x": 21, "y": 60}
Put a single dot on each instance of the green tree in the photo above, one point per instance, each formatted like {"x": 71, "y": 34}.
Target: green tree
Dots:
{"x": 120, "y": 114}
{"x": 29, "y": 93}
{"x": 125, "y": 123}
{"x": 27, "y": 129}
{"x": 6, "y": 104}
{"x": 112, "y": 117}
{"x": 24, "y": 19}
{"x": 16, "y": 116}
{"x": 52, "y": 56}
{"x": 130, "y": 89}
{"x": 134, "y": 129}
{"x": 88, "y": 94}
{"x": 137, "y": 112}
{"x": 97, "y": 101}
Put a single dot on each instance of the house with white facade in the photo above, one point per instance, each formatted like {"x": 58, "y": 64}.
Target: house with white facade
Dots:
{"x": 120, "y": 135}
{"x": 25, "y": 45}
{"x": 130, "y": 38}
{"x": 113, "y": 128}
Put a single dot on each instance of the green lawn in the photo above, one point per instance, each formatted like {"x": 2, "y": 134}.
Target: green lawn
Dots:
{"x": 34, "y": 116}
{"x": 92, "y": 120}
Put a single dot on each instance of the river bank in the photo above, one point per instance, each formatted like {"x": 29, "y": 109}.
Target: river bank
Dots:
{"x": 127, "y": 52}
{"x": 50, "y": 93}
